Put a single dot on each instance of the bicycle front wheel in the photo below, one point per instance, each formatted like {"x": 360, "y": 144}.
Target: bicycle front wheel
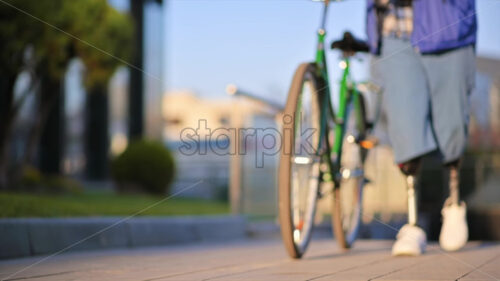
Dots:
{"x": 299, "y": 170}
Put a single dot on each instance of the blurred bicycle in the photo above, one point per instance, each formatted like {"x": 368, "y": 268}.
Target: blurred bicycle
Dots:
{"x": 323, "y": 147}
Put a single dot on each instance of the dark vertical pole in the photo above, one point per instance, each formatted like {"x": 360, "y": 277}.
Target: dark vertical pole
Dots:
{"x": 52, "y": 136}
{"x": 7, "y": 83}
{"x": 136, "y": 99}
{"x": 97, "y": 138}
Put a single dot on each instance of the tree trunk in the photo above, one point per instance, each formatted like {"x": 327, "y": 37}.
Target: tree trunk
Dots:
{"x": 49, "y": 130}
{"x": 136, "y": 86}
{"x": 42, "y": 111}
{"x": 96, "y": 136}
{"x": 6, "y": 121}
{"x": 34, "y": 136}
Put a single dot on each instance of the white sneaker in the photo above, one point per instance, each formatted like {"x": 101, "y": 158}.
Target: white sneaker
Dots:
{"x": 410, "y": 241}
{"x": 454, "y": 231}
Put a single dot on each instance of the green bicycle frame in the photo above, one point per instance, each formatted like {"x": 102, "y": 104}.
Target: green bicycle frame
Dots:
{"x": 347, "y": 95}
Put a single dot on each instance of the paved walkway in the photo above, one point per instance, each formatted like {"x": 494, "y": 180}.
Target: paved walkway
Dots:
{"x": 263, "y": 260}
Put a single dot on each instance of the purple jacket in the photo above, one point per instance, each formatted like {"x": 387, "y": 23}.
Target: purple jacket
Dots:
{"x": 438, "y": 25}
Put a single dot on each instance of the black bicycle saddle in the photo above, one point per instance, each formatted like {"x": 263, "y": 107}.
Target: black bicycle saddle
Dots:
{"x": 349, "y": 44}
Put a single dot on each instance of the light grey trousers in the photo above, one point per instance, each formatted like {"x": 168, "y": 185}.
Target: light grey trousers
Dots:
{"x": 425, "y": 98}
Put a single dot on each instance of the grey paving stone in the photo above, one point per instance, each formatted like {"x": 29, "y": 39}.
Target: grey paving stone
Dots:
{"x": 38, "y": 236}
{"x": 263, "y": 260}
{"x": 14, "y": 239}
{"x": 158, "y": 232}
{"x": 51, "y": 235}
{"x": 220, "y": 229}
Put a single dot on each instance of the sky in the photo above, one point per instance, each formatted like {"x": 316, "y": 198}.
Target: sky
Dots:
{"x": 257, "y": 44}
{"x": 254, "y": 44}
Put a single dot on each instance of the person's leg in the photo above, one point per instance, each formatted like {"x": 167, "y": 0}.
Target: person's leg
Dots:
{"x": 410, "y": 169}
{"x": 406, "y": 104}
{"x": 453, "y": 170}
{"x": 454, "y": 230}
{"x": 406, "y": 100}
{"x": 451, "y": 78}
{"x": 411, "y": 240}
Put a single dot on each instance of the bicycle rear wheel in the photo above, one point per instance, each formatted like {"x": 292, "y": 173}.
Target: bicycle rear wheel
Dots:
{"x": 299, "y": 170}
{"x": 347, "y": 196}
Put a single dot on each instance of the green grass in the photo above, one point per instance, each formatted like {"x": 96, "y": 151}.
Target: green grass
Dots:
{"x": 102, "y": 204}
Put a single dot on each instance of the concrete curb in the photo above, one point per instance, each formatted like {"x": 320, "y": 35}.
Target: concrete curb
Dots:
{"x": 41, "y": 236}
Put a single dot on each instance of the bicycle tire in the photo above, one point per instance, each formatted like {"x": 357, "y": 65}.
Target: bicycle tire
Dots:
{"x": 296, "y": 233}
{"x": 346, "y": 224}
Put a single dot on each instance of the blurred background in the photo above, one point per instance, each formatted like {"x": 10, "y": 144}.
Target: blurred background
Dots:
{"x": 95, "y": 95}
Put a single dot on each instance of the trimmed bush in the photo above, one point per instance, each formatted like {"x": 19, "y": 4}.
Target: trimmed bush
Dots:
{"x": 30, "y": 177}
{"x": 31, "y": 180}
{"x": 62, "y": 185}
{"x": 146, "y": 166}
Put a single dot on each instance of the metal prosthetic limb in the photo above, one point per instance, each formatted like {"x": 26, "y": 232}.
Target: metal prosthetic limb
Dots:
{"x": 412, "y": 200}
{"x": 454, "y": 196}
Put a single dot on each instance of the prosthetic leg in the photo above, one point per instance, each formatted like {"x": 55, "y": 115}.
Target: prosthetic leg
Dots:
{"x": 411, "y": 239}
{"x": 454, "y": 195}
{"x": 454, "y": 231}
{"x": 412, "y": 200}
{"x": 410, "y": 170}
